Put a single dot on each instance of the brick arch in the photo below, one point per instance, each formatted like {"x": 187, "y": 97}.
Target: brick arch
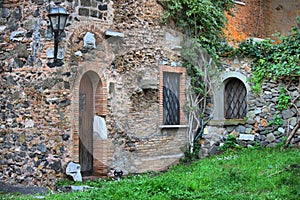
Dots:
{"x": 95, "y": 69}
{"x": 79, "y": 29}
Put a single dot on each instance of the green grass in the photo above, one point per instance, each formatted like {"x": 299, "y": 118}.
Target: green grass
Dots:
{"x": 244, "y": 174}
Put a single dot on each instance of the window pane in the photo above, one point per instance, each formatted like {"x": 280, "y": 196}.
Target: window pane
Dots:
{"x": 171, "y": 98}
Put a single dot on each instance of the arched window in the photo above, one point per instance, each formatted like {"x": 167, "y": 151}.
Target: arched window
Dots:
{"x": 235, "y": 105}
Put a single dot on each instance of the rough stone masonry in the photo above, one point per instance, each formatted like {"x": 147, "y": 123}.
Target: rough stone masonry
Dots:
{"x": 118, "y": 47}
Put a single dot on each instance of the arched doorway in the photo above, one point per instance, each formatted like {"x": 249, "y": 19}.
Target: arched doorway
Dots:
{"x": 92, "y": 104}
{"x": 86, "y": 114}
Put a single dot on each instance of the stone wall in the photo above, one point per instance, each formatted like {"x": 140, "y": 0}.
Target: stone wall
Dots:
{"x": 259, "y": 126}
{"x": 280, "y": 16}
{"x": 120, "y": 46}
{"x": 262, "y": 19}
{"x": 35, "y": 100}
{"x": 247, "y": 21}
{"x": 39, "y": 103}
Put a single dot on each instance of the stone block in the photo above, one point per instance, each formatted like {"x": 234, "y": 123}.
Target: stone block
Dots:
{"x": 2, "y": 28}
{"x": 240, "y": 129}
{"x": 248, "y": 130}
{"x": 73, "y": 170}
{"x": 17, "y": 35}
{"x": 100, "y": 15}
{"x": 110, "y": 33}
{"x": 264, "y": 122}
{"x": 4, "y": 13}
{"x": 271, "y": 137}
{"x": 86, "y": 3}
{"x": 39, "y": 2}
{"x": 60, "y": 53}
{"x": 281, "y": 130}
{"x": 148, "y": 84}
{"x": 293, "y": 121}
{"x": 84, "y": 12}
{"x": 287, "y": 114}
{"x": 22, "y": 51}
{"x": 94, "y": 13}
{"x": 247, "y": 137}
{"x": 89, "y": 40}
{"x": 102, "y": 7}
{"x": 257, "y": 111}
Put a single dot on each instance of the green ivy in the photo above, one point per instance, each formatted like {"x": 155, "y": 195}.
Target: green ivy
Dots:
{"x": 273, "y": 60}
{"x": 277, "y": 121}
{"x": 203, "y": 20}
{"x": 284, "y": 100}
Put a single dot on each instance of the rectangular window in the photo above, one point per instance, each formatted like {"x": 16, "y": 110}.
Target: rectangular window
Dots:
{"x": 171, "y": 91}
{"x": 172, "y": 83}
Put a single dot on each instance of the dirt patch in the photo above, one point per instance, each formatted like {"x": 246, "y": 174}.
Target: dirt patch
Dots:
{"x": 6, "y": 188}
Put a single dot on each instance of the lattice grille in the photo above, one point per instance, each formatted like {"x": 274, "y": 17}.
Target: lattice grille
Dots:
{"x": 170, "y": 98}
{"x": 235, "y": 99}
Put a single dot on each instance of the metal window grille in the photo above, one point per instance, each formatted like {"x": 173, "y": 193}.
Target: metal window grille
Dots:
{"x": 171, "y": 98}
{"x": 235, "y": 99}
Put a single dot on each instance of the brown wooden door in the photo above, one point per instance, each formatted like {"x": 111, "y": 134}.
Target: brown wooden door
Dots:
{"x": 86, "y": 126}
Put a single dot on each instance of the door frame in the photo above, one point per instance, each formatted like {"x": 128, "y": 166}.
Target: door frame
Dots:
{"x": 99, "y": 82}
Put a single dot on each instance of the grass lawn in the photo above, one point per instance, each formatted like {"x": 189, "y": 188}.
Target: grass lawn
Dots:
{"x": 268, "y": 173}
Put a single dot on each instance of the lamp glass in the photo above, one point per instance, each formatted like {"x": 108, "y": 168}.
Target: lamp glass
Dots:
{"x": 58, "y": 18}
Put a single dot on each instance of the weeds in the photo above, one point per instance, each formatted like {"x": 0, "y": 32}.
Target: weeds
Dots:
{"x": 268, "y": 173}
{"x": 230, "y": 143}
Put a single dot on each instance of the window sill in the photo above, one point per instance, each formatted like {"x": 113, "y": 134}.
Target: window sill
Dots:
{"x": 173, "y": 126}
{"x": 226, "y": 122}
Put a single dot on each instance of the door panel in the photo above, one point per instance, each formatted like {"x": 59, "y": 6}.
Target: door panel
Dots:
{"x": 86, "y": 126}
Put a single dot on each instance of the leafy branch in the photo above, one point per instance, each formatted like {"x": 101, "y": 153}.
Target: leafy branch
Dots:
{"x": 273, "y": 60}
{"x": 203, "y": 22}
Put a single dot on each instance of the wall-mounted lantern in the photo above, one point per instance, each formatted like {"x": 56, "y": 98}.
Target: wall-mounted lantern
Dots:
{"x": 58, "y": 18}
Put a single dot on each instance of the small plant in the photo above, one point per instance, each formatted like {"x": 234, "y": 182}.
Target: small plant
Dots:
{"x": 277, "y": 121}
{"x": 230, "y": 143}
{"x": 284, "y": 100}
{"x": 65, "y": 182}
{"x": 256, "y": 145}
{"x": 189, "y": 156}
{"x": 281, "y": 144}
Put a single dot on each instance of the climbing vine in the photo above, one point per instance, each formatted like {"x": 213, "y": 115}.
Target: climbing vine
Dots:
{"x": 283, "y": 100}
{"x": 203, "y": 22}
{"x": 273, "y": 59}
{"x": 276, "y": 60}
